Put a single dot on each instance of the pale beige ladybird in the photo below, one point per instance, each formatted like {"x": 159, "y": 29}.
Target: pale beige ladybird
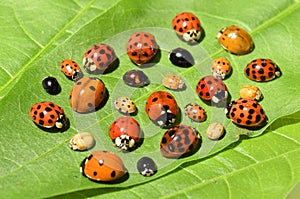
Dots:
{"x": 82, "y": 141}
{"x": 215, "y": 131}
{"x": 251, "y": 92}
{"x": 125, "y": 105}
{"x": 173, "y": 82}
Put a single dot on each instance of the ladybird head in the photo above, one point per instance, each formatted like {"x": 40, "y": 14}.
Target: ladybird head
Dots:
{"x": 61, "y": 121}
{"x": 192, "y": 35}
{"x": 125, "y": 142}
{"x": 166, "y": 118}
{"x": 77, "y": 74}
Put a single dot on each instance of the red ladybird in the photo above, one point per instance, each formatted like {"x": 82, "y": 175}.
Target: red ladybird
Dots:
{"x": 99, "y": 58}
{"x": 48, "y": 115}
{"x": 180, "y": 141}
{"x": 246, "y": 112}
{"x": 71, "y": 69}
{"x": 141, "y": 47}
{"x": 87, "y": 94}
{"x": 162, "y": 109}
{"x": 103, "y": 166}
{"x": 213, "y": 89}
{"x": 126, "y": 133}
{"x": 262, "y": 70}
{"x": 188, "y": 26}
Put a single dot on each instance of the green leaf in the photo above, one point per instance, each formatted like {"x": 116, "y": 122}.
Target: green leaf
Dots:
{"x": 37, "y": 35}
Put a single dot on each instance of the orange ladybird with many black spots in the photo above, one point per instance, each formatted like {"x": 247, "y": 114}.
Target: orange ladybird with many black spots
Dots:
{"x": 48, "y": 115}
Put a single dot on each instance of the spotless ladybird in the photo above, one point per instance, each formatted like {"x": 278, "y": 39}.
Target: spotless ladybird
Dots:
{"x": 51, "y": 85}
{"x": 180, "y": 141}
{"x": 141, "y": 47}
{"x": 103, "y": 166}
{"x": 262, "y": 70}
{"x": 87, "y": 94}
{"x": 181, "y": 57}
{"x": 251, "y": 92}
{"x": 235, "y": 40}
{"x": 246, "y": 112}
{"x": 187, "y": 26}
{"x": 162, "y": 109}
{"x": 48, "y": 115}
{"x": 126, "y": 133}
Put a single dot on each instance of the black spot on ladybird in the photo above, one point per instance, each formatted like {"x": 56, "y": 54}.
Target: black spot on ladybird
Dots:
{"x": 92, "y": 88}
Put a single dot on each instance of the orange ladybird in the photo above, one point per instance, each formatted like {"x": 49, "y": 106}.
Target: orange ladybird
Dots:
{"x": 188, "y": 26}
{"x": 87, "y": 94}
{"x": 235, "y": 40}
{"x": 71, "y": 69}
{"x": 48, "y": 115}
{"x": 221, "y": 67}
{"x": 103, "y": 166}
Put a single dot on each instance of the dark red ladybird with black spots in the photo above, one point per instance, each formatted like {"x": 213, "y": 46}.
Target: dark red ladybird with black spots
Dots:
{"x": 246, "y": 112}
{"x": 180, "y": 141}
{"x": 71, "y": 69}
{"x": 48, "y": 115}
{"x": 262, "y": 70}
{"x": 103, "y": 166}
{"x": 99, "y": 58}
{"x": 87, "y": 94}
{"x": 210, "y": 88}
{"x": 162, "y": 109}
{"x": 187, "y": 26}
{"x": 126, "y": 133}
{"x": 141, "y": 47}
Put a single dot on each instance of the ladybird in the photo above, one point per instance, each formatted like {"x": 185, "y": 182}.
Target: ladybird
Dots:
{"x": 82, "y": 141}
{"x": 246, "y": 112}
{"x": 221, "y": 67}
{"x": 181, "y": 57}
{"x": 262, "y": 70}
{"x": 71, "y": 69}
{"x": 187, "y": 26}
{"x": 126, "y": 133}
{"x": 162, "y": 109}
{"x": 51, "y": 85}
{"x": 195, "y": 112}
{"x": 141, "y": 47}
{"x": 146, "y": 166}
{"x": 235, "y": 40}
{"x": 213, "y": 89}
{"x": 48, "y": 115}
{"x": 125, "y": 105}
{"x": 180, "y": 141}
{"x": 251, "y": 92}
{"x": 103, "y": 166}
{"x": 87, "y": 94}
{"x": 99, "y": 58}
{"x": 136, "y": 78}
{"x": 173, "y": 82}
{"x": 215, "y": 131}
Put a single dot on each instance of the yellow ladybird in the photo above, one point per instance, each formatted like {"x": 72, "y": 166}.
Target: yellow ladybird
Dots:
{"x": 82, "y": 141}
{"x": 235, "y": 40}
{"x": 173, "y": 82}
{"x": 125, "y": 105}
{"x": 251, "y": 92}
